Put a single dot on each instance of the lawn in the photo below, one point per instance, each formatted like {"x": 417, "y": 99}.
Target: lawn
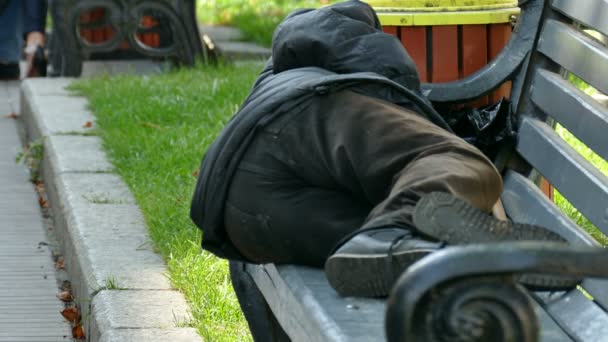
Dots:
{"x": 155, "y": 130}
{"x": 257, "y": 19}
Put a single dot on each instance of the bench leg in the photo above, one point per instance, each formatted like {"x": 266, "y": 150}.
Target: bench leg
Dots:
{"x": 262, "y": 322}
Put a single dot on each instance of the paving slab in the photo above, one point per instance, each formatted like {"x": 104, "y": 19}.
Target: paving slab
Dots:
{"x": 59, "y": 118}
{"x": 244, "y": 50}
{"x": 76, "y": 154}
{"x": 29, "y": 309}
{"x": 100, "y": 228}
{"x": 151, "y": 335}
{"x": 221, "y": 33}
{"x": 110, "y": 67}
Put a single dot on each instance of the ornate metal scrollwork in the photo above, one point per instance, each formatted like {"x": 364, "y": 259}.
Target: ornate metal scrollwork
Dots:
{"x": 471, "y": 294}
{"x": 175, "y": 21}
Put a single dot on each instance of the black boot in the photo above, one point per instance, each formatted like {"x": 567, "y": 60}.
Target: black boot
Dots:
{"x": 369, "y": 263}
{"x": 443, "y": 217}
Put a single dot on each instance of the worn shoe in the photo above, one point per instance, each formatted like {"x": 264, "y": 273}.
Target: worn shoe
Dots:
{"x": 9, "y": 71}
{"x": 36, "y": 62}
{"x": 369, "y": 264}
{"x": 446, "y": 218}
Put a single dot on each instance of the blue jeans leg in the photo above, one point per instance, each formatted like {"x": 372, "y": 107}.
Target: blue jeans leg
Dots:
{"x": 11, "y": 32}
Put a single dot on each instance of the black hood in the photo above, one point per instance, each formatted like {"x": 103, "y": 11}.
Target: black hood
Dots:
{"x": 343, "y": 38}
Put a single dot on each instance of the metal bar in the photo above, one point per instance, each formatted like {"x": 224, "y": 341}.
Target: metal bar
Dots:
{"x": 592, "y": 14}
{"x": 576, "y": 111}
{"x": 575, "y": 51}
{"x": 584, "y": 185}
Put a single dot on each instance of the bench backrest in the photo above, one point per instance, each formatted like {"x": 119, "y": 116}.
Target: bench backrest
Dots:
{"x": 548, "y": 43}
{"x": 545, "y": 98}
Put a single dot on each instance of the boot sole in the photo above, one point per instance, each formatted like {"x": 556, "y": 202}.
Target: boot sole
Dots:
{"x": 367, "y": 276}
{"x": 454, "y": 221}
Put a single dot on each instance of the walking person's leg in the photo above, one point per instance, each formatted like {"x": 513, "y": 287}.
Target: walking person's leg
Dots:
{"x": 34, "y": 26}
{"x": 11, "y": 38}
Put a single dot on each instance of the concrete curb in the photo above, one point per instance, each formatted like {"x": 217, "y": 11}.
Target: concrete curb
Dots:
{"x": 118, "y": 281}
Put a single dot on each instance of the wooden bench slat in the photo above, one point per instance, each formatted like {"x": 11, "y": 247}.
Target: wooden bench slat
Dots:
{"x": 525, "y": 203}
{"x": 598, "y": 289}
{"x": 308, "y": 308}
{"x": 576, "y": 111}
{"x": 576, "y": 52}
{"x": 580, "y": 182}
{"x": 550, "y": 331}
{"x": 580, "y": 317}
{"x": 593, "y": 14}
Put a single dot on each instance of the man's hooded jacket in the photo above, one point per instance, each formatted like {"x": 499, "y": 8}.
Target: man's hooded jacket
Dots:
{"x": 314, "y": 53}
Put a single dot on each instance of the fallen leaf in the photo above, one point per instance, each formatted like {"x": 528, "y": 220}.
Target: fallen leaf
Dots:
{"x": 71, "y": 314}
{"x": 78, "y": 332}
{"x": 151, "y": 125}
{"x": 88, "y": 124}
{"x": 39, "y": 186}
{"x": 60, "y": 264}
{"x": 43, "y": 203}
{"x": 195, "y": 173}
{"x": 66, "y": 285}
{"x": 12, "y": 115}
{"x": 65, "y": 296}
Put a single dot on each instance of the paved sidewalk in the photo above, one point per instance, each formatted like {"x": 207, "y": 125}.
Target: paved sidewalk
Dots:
{"x": 29, "y": 309}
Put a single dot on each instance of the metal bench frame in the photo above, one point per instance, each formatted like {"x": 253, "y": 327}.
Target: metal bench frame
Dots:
{"x": 68, "y": 49}
{"x": 297, "y": 303}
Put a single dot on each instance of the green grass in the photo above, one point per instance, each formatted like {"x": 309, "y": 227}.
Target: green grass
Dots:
{"x": 155, "y": 130}
{"x": 257, "y": 19}
{"x": 566, "y": 206}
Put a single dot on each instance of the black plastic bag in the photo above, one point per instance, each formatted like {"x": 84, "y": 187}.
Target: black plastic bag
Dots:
{"x": 488, "y": 128}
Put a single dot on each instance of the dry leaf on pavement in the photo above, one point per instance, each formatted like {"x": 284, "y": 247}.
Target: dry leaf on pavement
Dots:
{"x": 65, "y": 296}
{"x": 71, "y": 314}
{"x": 12, "y": 115}
{"x": 88, "y": 124}
{"x": 60, "y": 264}
{"x": 43, "y": 203}
{"x": 78, "y": 332}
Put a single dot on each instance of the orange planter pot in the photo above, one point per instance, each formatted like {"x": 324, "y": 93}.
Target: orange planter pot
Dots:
{"x": 450, "y": 52}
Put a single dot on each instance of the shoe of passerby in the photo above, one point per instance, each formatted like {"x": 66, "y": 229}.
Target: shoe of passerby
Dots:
{"x": 9, "y": 71}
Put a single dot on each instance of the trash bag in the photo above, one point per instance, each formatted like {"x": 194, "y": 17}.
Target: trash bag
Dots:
{"x": 488, "y": 128}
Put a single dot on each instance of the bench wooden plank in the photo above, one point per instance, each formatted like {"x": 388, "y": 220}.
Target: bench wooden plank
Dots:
{"x": 550, "y": 331}
{"x": 580, "y": 317}
{"x": 575, "y": 51}
{"x": 593, "y": 14}
{"x": 308, "y": 308}
{"x": 580, "y": 182}
{"x": 598, "y": 289}
{"x": 524, "y": 202}
{"x": 576, "y": 111}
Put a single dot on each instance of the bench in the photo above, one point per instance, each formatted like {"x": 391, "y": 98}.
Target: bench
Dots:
{"x": 296, "y": 303}
{"x": 95, "y": 29}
